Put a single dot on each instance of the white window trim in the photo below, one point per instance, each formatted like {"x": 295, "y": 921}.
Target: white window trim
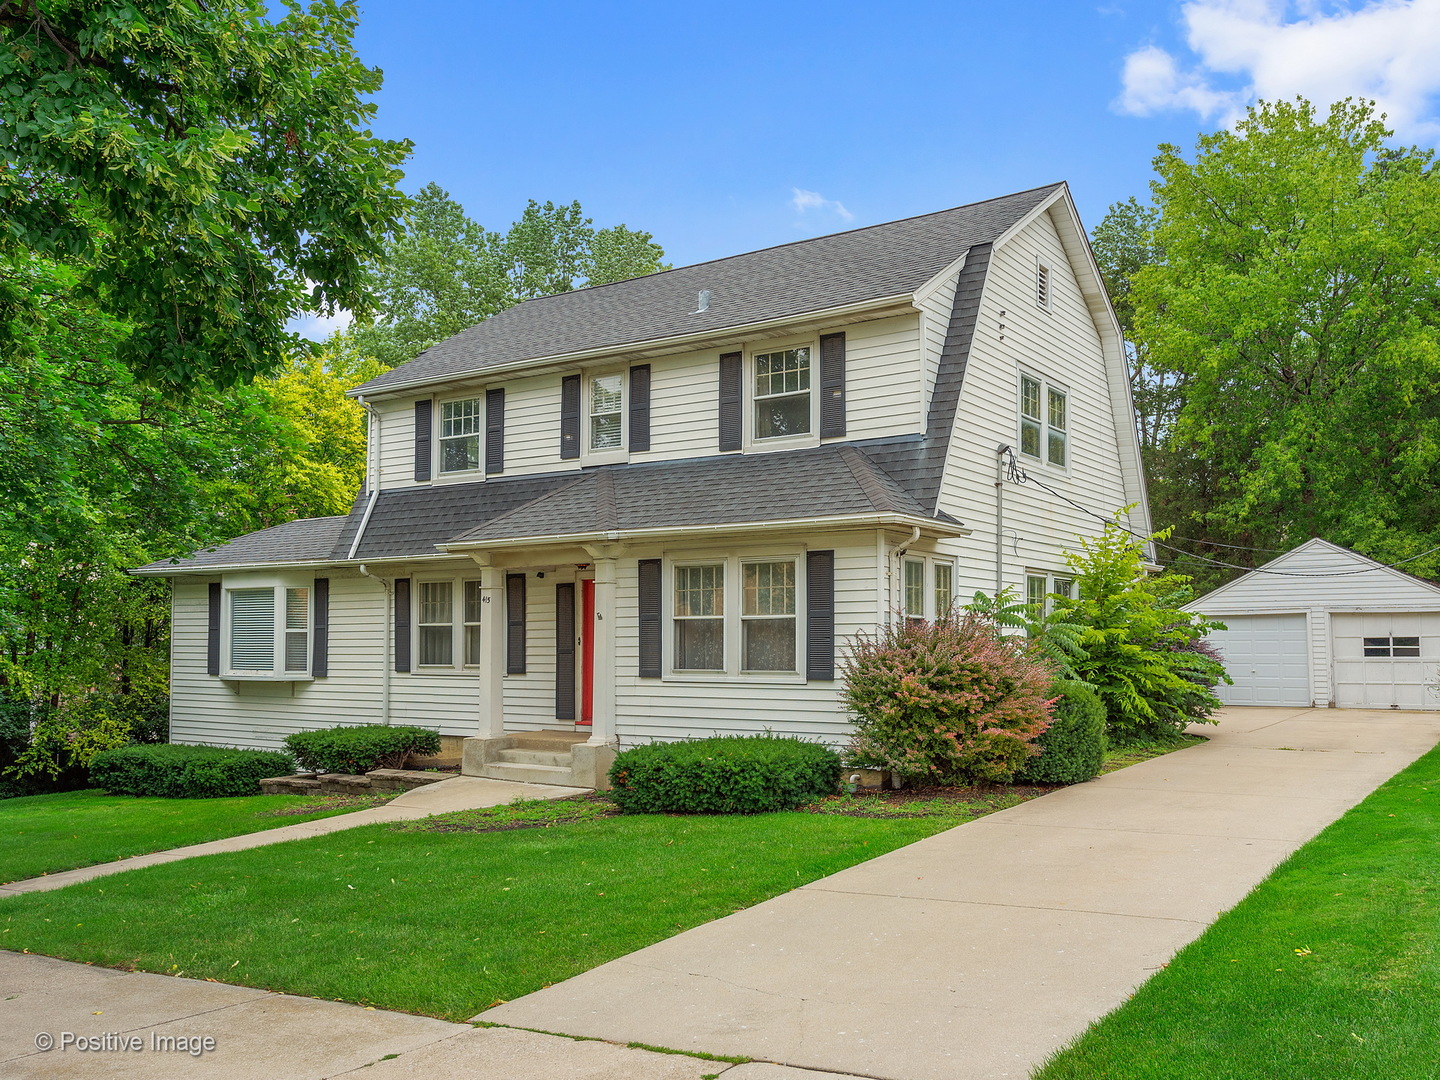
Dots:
{"x": 1046, "y": 385}
{"x": 278, "y": 584}
{"x": 437, "y": 449}
{"x": 929, "y": 606}
{"x": 748, "y": 399}
{"x": 457, "y": 663}
{"x": 1052, "y": 578}
{"x": 732, "y": 672}
{"x": 621, "y": 453}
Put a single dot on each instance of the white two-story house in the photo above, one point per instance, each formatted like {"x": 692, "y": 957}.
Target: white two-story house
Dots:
{"x": 660, "y": 508}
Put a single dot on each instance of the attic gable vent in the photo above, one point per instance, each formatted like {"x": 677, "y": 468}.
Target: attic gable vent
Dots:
{"x": 1042, "y": 286}
{"x": 703, "y": 304}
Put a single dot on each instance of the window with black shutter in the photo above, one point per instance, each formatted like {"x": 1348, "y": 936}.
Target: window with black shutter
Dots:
{"x": 639, "y": 408}
{"x": 320, "y": 640}
{"x": 650, "y": 647}
{"x": 832, "y": 386}
{"x": 820, "y": 615}
{"x": 402, "y": 624}
{"x": 495, "y": 430}
{"x": 423, "y": 413}
{"x": 731, "y": 406}
{"x": 212, "y": 639}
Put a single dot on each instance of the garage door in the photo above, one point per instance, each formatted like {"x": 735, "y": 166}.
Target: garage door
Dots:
{"x": 1266, "y": 656}
{"x": 1386, "y": 661}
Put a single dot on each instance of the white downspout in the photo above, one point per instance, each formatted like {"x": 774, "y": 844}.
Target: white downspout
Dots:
{"x": 1000, "y": 453}
{"x": 386, "y": 664}
{"x": 893, "y": 567}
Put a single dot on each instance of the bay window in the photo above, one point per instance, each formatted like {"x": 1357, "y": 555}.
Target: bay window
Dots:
{"x": 268, "y": 630}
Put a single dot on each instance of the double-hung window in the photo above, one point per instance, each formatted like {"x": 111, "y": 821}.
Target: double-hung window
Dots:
{"x": 927, "y": 588}
{"x": 447, "y": 623}
{"x": 1042, "y": 589}
{"x": 460, "y": 425}
{"x": 269, "y": 631}
{"x": 736, "y": 616}
{"x": 1044, "y": 421}
{"x": 782, "y": 405}
{"x": 605, "y": 414}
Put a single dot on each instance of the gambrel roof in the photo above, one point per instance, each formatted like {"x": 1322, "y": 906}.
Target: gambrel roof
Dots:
{"x": 894, "y": 259}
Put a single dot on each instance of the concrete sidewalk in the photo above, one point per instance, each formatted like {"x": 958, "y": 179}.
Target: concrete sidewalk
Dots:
{"x": 978, "y": 952}
{"x": 267, "y": 1036}
{"x": 456, "y": 793}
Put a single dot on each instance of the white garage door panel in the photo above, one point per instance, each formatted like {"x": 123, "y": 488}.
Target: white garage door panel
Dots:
{"x": 1377, "y": 682}
{"x": 1267, "y": 657}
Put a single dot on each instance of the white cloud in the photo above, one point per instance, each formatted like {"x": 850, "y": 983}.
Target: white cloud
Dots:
{"x": 1243, "y": 50}
{"x": 319, "y": 327}
{"x": 804, "y": 201}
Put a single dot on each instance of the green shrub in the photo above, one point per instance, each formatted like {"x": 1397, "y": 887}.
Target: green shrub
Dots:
{"x": 1073, "y": 746}
{"x": 728, "y": 774}
{"x": 360, "y": 748}
{"x": 186, "y": 772}
{"x": 945, "y": 702}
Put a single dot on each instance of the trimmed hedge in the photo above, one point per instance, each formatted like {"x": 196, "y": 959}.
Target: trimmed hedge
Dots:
{"x": 186, "y": 772}
{"x": 727, "y": 774}
{"x": 1072, "y": 749}
{"x": 360, "y": 748}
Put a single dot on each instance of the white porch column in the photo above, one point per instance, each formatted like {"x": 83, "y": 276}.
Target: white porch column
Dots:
{"x": 602, "y": 729}
{"x": 492, "y": 652}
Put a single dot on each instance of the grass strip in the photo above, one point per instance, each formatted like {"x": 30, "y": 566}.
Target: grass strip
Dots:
{"x": 1330, "y": 968}
{"x": 444, "y": 924}
{"x": 45, "y": 834}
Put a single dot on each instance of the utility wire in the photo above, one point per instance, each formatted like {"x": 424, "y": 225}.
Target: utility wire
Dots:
{"x": 1017, "y": 475}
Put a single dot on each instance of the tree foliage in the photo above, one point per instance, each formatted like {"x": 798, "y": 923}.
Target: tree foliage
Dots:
{"x": 1292, "y": 299}
{"x": 205, "y": 171}
{"x": 446, "y": 272}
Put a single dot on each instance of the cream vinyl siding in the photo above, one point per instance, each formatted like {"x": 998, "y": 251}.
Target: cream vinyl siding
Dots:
{"x": 1062, "y": 344}
{"x": 883, "y": 378}
{"x": 936, "y": 308}
{"x": 396, "y": 458}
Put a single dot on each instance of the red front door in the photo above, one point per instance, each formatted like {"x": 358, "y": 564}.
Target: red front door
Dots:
{"x": 587, "y": 651}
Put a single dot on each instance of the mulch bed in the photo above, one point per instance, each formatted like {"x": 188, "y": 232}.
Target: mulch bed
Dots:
{"x": 890, "y": 803}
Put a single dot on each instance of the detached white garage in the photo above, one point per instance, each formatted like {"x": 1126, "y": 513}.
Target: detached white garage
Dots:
{"x": 1323, "y": 625}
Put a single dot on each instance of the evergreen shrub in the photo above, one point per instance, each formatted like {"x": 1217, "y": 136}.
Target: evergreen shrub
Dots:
{"x": 1072, "y": 749}
{"x": 169, "y": 771}
{"x": 727, "y": 774}
{"x": 359, "y": 748}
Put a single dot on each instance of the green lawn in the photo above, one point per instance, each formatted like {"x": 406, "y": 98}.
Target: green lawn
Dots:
{"x": 1329, "y": 969}
{"x": 443, "y": 923}
{"x": 45, "y": 834}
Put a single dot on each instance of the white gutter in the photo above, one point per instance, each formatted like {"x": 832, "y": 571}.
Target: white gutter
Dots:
{"x": 843, "y": 521}
{"x": 536, "y": 363}
{"x": 312, "y": 564}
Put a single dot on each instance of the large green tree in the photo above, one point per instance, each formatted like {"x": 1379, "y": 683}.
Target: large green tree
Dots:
{"x": 446, "y": 272}
{"x": 205, "y": 169}
{"x": 1289, "y": 289}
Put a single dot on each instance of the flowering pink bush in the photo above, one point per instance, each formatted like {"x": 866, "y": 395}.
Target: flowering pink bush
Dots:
{"x": 946, "y": 701}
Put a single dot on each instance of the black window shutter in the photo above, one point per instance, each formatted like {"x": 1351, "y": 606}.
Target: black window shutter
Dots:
{"x": 320, "y": 643}
{"x": 570, "y": 416}
{"x": 565, "y": 651}
{"x": 495, "y": 430}
{"x": 402, "y": 624}
{"x": 422, "y": 439}
{"x": 730, "y": 394}
{"x": 820, "y": 615}
{"x": 639, "y": 408}
{"x": 212, "y": 637}
{"x": 649, "y": 619}
{"x": 514, "y": 624}
{"x": 832, "y": 386}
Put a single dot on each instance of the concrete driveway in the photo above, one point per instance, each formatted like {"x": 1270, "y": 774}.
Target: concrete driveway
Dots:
{"x": 978, "y": 952}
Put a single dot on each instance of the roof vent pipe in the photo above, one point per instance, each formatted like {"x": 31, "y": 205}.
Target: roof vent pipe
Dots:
{"x": 704, "y": 303}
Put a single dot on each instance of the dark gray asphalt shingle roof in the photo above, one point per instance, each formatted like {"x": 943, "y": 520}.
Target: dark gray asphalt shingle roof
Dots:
{"x": 892, "y": 259}
{"x": 305, "y": 540}
{"x": 821, "y": 482}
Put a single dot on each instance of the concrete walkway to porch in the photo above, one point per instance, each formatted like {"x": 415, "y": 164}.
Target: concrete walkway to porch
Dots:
{"x": 456, "y": 793}
{"x": 979, "y": 951}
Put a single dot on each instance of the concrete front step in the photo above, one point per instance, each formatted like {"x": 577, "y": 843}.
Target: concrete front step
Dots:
{"x": 545, "y": 740}
{"x": 521, "y": 756}
{"x": 529, "y": 774}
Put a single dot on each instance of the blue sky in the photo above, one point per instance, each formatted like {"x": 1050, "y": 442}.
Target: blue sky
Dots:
{"x": 724, "y": 128}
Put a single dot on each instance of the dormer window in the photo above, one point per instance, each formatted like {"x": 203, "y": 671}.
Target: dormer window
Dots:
{"x": 460, "y": 426}
{"x": 782, "y": 393}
